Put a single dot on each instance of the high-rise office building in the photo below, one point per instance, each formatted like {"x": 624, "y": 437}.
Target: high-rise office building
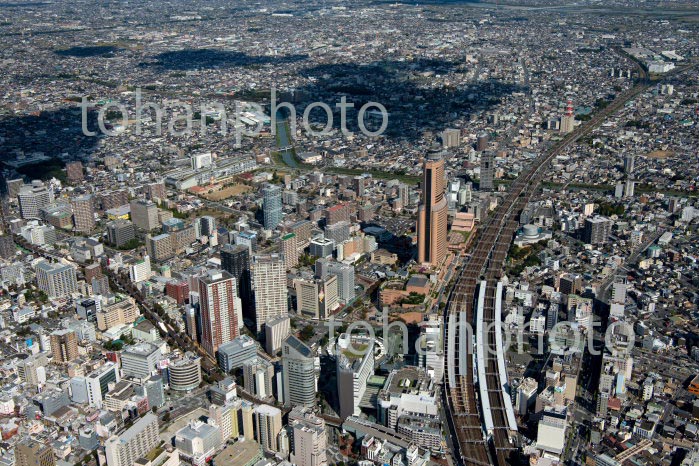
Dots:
{"x": 431, "y": 356}
{"x": 316, "y": 298}
{"x": 321, "y": 247}
{"x": 74, "y": 171}
{"x": 272, "y": 206}
{"x": 33, "y": 453}
{"x": 298, "y": 373}
{"x": 32, "y": 198}
{"x": 233, "y": 354}
{"x": 360, "y": 184}
{"x": 235, "y": 259}
{"x": 487, "y": 171}
{"x": 137, "y": 441}
{"x": 309, "y": 439}
{"x": 144, "y": 214}
{"x": 246, "y": 238}
{"x": 83, "y": 212}
{"x": 64, "y": 346}
{"x": 56, "y": 280}
{"x": 120, "y": 232}
{"x": 352, "y": 372}
{"x": 629, "y": 163}
{"x": 432, "y": 213}
{"x": 345, "y": 277}
{"x": 268, "y": 424}
{"x": 269, "y": 283}
{"x": 140, "y": 360}
{"x": 219, "y": 309}
{"x": 96, "y": 384}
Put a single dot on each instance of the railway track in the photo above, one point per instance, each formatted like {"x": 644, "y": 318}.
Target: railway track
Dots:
{"x": 478, "y": 414}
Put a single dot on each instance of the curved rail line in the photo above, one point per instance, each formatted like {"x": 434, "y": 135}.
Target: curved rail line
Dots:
{"x": 481, "y": 421}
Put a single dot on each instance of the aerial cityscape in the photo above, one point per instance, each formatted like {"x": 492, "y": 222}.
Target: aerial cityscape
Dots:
{"x": 349, "y": 233}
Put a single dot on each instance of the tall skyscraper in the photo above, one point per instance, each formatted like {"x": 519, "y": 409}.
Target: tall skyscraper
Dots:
{"x": 316, "y": 298}
{"x": 120, "y": 232}
{"x": 235, "y": 259}
{"x": 269, "y": 282}
{"x": 272, "y": 206}
{"x": 629, "y": 163}
{"x": 432, "y": 212}
{"x": 140, "y": 360}
{"x": 207, "y": 225}
{"x": 219, "y": 307}
{"x": 290, "y": 250}
{"x": 64, "y": 346}
{"x": 487, "y": 171}
{"x": 597, "y": 230}
{"x": 144, "y": 214}
{"x": 83, "y": 212}
{"x": 482, "y": 142}
{"x": 404, "y": 194}
{"x": 338, "y": 232}
{"x": 352, "y": 373}
{"x": 451, "y": 137}
{"x": 156, "y": 191}
{"x": 568, "y": 120}
{"x": 258, "y": 377}
{"x": 161, "y": 247}
{"x": 137, "y": 441}
{"x": 298, "y": 371}
{"x": 33, "y": 453}
{"x": 345, "y": 277}
{"x": 268, "y": 424}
